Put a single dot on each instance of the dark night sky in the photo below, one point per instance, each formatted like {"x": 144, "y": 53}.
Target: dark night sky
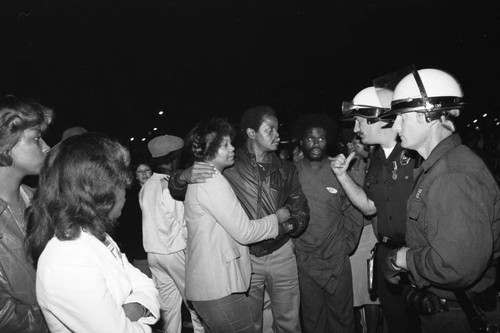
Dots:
{"x": 111, "y": 65}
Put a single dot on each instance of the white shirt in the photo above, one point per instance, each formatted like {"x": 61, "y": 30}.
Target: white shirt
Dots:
{"x": 163, "y": 225}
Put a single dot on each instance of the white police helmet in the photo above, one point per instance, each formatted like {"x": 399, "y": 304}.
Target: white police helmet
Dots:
{"x": 430, "y": 91}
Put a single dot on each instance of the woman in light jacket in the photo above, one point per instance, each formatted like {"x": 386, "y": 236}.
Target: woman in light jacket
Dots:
{"x": 218, "y": 265}
{"x": 83, "y": 282}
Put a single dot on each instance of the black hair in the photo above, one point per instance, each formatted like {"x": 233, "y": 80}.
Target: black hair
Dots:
{"x": 319, "y": 120}
{"x": 254, "y": 117}
{"x": 205, "y": 138}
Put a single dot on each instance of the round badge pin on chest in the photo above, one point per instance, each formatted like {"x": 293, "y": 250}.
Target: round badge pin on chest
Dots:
{"x": 331, "y": 190}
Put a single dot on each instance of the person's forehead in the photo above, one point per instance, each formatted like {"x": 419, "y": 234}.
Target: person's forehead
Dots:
{"x": 225, "y": 140}
{"x": 315, "y": 130}
{"x": 269, "y": 121}
{"x": 33, "y": 130}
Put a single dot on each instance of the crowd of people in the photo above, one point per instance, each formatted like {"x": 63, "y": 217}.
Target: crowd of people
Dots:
{"x": 399, "y": 231}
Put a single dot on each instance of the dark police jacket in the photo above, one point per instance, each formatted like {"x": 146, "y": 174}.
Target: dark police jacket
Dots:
{"x": 453, "y": 224}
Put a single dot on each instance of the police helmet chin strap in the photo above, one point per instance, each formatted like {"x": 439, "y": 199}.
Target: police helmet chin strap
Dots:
{"x": 429, "y": 114}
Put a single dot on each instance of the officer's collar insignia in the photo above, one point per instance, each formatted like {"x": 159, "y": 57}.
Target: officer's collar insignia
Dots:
{"x": 403, "y": 158}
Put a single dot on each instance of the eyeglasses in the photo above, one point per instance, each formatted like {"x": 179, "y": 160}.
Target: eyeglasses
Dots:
{"x": 146, "y": 171}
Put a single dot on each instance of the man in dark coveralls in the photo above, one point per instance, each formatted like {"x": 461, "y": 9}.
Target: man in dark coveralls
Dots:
{"x": 325, "y": 276}
{"x": 388, "y": 184}
{"x": 453, "y": 216}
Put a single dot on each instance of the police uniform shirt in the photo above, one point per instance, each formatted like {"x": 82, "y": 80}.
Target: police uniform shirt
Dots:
{"x": 388, "y": 184}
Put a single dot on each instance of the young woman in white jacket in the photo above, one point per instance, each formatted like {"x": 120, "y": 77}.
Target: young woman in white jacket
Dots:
{"x": 83, "y": 282}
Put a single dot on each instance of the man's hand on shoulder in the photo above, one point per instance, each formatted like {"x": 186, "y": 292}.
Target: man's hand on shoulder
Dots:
{"x": 199, "y": 172}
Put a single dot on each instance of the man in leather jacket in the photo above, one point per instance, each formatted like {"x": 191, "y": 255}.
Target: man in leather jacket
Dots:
{"x": 263, "y": 183}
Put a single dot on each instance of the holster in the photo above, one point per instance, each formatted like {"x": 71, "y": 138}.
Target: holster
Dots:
{"x": 474, "y": 309}
{"x": 372, "y": 273}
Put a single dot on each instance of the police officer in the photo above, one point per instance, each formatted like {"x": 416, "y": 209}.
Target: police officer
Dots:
{"x": 388, "y": 184}
{"x": 453, "y": 217}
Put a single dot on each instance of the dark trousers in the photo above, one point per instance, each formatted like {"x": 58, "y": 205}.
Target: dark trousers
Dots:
{"x": 323, "y": 312}
{"x": 398, "y": 318}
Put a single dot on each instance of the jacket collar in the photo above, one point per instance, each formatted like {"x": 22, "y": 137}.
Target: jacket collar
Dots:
{"x": 3, "y": 206}
{"x": 275, "y": 160}
{"x": 441, "y": 149}
{"x": 26, "y": 194}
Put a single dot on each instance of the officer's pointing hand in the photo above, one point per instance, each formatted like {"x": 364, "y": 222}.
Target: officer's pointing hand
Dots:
{"x": 339, "y": 163}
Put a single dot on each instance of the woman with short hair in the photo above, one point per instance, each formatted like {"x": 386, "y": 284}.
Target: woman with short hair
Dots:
{"x": 218, "y": 264}
{"x": 143, "y": 172}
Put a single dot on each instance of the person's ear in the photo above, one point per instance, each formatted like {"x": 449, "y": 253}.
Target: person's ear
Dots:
{"x": 350, "y": 146}
{"x": 251, "y": 133}
{"x": 5, "y": 159}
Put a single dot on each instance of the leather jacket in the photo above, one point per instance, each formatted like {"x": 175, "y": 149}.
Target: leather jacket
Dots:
{"x": 19, "y": 310}
{"x": 261, "y": 197}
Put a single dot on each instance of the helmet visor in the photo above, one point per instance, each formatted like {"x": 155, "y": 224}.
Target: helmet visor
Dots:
{"x": 351, "y": 110}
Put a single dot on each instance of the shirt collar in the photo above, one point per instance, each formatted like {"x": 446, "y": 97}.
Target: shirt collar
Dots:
{"x": 396, "y": 150}
{"x": 442, "y": 148}
{"x": 322, "y": 162}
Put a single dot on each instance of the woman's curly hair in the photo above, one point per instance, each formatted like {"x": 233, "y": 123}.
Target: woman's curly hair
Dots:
{"x": 77, "y": 190}
{"x": 17, "y": 115}
{"x": 205, "y": 138}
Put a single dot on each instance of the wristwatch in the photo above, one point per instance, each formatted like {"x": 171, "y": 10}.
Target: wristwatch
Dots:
{"x": 393, "y": 256}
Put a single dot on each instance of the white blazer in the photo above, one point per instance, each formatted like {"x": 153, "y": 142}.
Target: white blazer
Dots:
{"x": 217, "y": 261}
{"x": 81, "y": 287}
